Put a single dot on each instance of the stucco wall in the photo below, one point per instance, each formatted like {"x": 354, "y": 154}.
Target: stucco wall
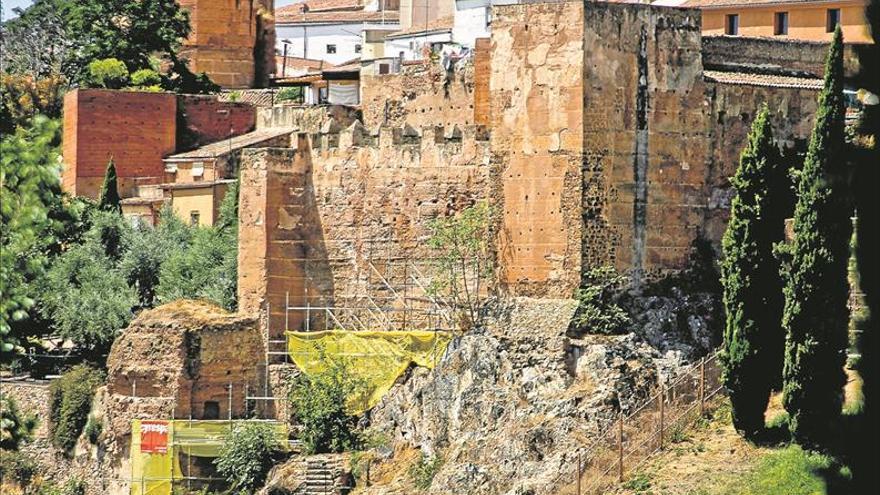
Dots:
{"x": 804, "y": 23}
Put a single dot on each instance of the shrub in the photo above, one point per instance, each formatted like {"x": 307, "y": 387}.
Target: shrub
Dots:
{"x": 93, "y": 429}
{"x": 17, "y": 467}
{"x": 289, "y": 94}
{"x": 15, "y": 427}
{"x": 146, "y": 78}
{"x": 246, "y": 456}
{"x": 597, "y": 311}
{"x": 319, "y": 403}
{"x": 71, "y": 400}
{"x": 422, "y": 472}
{"x": 108, "y": 73}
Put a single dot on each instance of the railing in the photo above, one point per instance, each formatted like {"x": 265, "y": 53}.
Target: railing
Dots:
{"x": 631, "y": 440}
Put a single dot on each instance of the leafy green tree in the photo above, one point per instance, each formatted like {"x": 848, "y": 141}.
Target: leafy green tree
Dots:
{"x": 464, "y": 260}
{"x": 84, "y": 294}
{"x": 146, "y": 79}
{"x": 246, "y": 456}
{"x": 109, "y": 199}
{"x": 319, "y": 404}
{"x": 22, "y": 97}
{"x": 15, "y": 427}
{"x": 753, "y": 337}
{"x": 32, "y": 218}
{"x": 108, "y": 73}
{"x": 35, "y": 42}
{"x": 816, "y": 291}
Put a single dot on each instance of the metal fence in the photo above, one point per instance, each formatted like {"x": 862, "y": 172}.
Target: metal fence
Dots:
{"x": 631, "y": 440}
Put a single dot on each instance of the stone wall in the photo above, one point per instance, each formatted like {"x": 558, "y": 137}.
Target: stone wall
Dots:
{"x": 310, "y": 118}
{"x": 420, "y": 95}
{"x": 32, "y": 397}
{"x": 233, "y": 41}
{"x": 536, "y": 115}
{"x": 311, "y": 217}
{"x": 773, "y": 55}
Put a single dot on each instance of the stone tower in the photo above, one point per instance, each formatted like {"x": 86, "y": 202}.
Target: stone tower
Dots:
{"x": 233, "y": 41}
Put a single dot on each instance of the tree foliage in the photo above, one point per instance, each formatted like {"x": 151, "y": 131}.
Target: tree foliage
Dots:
{"x": 597, "y": 311}
{"x": 70, "y": 402}
{"x": 15, "y": 427}
{"x": 109, "y": 197}
{"x": 464, "y": 260}
{"x": 108, "y": 73}
{"x": 34, "y": 219}
{"x": 817, "y": 289}
{"x": 318, "y": 403}
{"x": 23, "y": 97}
{"x": 35, "y": 42}
{"x": 246, "y": 456}
{"x": 753, "y": 337}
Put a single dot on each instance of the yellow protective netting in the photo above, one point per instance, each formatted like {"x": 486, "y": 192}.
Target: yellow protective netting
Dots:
{"x": 376, "y": 358}
{"x": 153, "y": 473}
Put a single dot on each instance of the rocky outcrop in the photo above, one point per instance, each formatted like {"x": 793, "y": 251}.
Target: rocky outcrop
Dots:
{"x": 510, "y": 404}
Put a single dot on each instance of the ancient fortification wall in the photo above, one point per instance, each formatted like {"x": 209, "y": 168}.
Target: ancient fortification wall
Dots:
{"x": 312, "y": 217}
{"x": 607, "y": 143}
{"x": 767, "y": 54}
{"x": 233, "y": 41}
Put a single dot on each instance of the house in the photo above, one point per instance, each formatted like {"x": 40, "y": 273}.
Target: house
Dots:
{"x": 812, "y": 20}
{"x": 331, "y": 30}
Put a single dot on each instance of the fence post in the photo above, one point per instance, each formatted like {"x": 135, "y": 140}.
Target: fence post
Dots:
{"x": 702, "y": 386}
{"x": 662, "y": 412}
{"x": 579, "y": 473}
{"x": 620, "y": 448}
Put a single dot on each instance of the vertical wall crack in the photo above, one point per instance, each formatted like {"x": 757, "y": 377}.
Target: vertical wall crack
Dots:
{"x": 640, "y": 164}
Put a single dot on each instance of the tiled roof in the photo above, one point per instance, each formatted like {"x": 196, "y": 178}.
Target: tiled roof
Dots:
{"x": 223, "y": 147}
{"x": 339, "y": 17}
{"x": 297, "y": 66}
{"x": 749, "y": 79}
{"x": 444, "y": 24}
{"x": 710, "y": 4}
{"x": 319, "y": 5}
{"x": 255, "y": 97}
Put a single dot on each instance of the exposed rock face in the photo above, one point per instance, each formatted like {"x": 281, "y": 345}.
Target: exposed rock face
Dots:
{"x": 509, "y": 405}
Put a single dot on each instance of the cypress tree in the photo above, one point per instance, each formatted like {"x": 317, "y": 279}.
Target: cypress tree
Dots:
{"x": 753, "y": 337}
{"x": 109, "y": 199}
{"x": 816, "y": 291}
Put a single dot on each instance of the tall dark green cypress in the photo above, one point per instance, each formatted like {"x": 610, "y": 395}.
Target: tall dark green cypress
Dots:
{"x": 109, "y": 199}
{"x": 816, "y": 291}
{"x": 753, "y": 337}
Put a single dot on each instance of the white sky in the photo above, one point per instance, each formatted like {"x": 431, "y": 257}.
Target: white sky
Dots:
{"x": 8, "y": 5}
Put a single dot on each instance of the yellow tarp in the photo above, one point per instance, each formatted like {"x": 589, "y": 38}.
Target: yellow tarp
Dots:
{"x": 153, "y": 473}
{"x": 377, "y": 358}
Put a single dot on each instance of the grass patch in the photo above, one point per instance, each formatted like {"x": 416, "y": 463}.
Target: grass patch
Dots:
{"x": 789, "y": 471}
{"x": 639, "y": 483}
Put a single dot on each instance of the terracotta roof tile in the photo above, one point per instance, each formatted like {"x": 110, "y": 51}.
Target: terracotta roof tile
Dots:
{"x": 748, "y": 79}
{"x": 337, "y": 17}
{"x": 437, "y": 25}
{"x": 320, "y": 5}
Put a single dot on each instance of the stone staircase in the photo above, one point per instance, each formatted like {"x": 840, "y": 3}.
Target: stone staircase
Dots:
{"x": 323, "y": 475}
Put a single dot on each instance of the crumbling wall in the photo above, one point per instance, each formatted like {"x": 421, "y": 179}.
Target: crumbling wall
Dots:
{"x": 173, "y": 359}
{"x": 774, "y": 55}
{"x": 308, "y": 118}
{"x": 421, "y": 94}
{"x": 313, "y": 216}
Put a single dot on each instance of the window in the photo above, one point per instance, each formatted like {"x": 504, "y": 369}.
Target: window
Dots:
{"x": 731, "y": 25}
{"x": 331, "y": 48}
{"x": 357, "y": 48}
{"x": 211, "y": 410}
{"x": 383, "y": 69}
{"x": 194, "y": 217}
{"x": 780, "y": 24}
{"x": 832, "y": 19}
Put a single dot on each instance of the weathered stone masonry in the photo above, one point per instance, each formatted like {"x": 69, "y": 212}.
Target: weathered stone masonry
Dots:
{"x": 607, "y": 143}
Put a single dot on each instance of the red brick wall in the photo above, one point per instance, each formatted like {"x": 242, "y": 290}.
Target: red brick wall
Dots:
{"x": 135, "y": 128}
{"x": 208, "y": 120}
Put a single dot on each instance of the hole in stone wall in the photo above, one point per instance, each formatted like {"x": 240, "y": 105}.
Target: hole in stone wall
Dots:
{"x": 211, "y": 410}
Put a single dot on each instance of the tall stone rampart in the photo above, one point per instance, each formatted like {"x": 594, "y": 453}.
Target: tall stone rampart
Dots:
{"x": 314, "y": 216}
